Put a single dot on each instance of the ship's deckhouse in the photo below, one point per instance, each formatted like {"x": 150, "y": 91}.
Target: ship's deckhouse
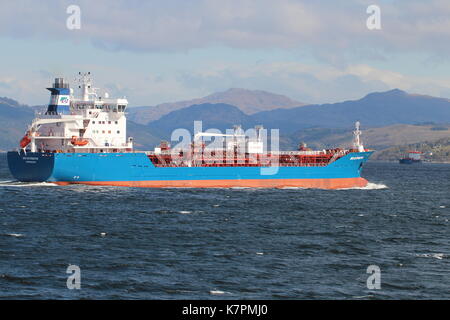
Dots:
{"x": 86, "y": 122}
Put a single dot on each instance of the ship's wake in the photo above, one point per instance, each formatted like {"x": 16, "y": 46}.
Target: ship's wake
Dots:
{"x": 15, "y": 183}
{"x": 370, "y": 186}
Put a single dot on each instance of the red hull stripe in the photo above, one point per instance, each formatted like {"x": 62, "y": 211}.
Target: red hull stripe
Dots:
{"x": 338, "y": 183}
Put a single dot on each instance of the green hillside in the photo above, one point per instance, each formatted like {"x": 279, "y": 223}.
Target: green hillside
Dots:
{"x": 375, "y": 138}
{"x": 436, "y": 151}
{"x": 390, "y": 142}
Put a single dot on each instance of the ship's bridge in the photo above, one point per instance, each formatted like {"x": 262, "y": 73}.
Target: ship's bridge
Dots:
{"x": 106, "y": 105}
{"x": 86, "y": 122}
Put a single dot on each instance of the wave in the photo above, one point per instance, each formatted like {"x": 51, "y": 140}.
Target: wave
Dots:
{"x": 293, "y": 188}
{"x": 438, "y": 256}
{"x": 218, "y": 292}
{"x": 17, "y": 235}
{"x": 12, "y": 183}
{"x": 370, "y": 186}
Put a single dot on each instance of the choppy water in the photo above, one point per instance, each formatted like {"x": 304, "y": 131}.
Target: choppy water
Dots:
{"x": 229, "y": 243}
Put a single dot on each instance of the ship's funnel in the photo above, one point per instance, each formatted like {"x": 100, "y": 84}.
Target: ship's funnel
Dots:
{"x": 60, "y": 97}
{"x": 59, "y": 83}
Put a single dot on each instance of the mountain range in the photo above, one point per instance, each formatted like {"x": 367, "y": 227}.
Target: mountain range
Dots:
{"x": 374, "y": 110}
{"x": 248, "y": 101}
{"x": 389, "y": 119}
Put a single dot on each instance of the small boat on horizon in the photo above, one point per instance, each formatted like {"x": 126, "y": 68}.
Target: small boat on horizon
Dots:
{"x": 412, "y": 157}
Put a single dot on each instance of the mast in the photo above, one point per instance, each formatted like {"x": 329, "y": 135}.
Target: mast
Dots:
{"x": 85, "y": 84}
{"x": 357, "y": 143}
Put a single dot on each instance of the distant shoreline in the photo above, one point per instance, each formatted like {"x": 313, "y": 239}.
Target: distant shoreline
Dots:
{"x": 396, "y": 161}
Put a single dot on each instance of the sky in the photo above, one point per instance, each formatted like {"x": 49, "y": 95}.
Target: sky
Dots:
{"x": 157, "y": 51}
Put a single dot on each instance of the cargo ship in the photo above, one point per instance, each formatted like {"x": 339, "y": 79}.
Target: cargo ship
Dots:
{"x": 81, "y": 139}
{"x": 411, "y": 157}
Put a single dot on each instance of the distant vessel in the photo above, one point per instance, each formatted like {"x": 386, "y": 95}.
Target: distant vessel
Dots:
{"x": 82, "y": 140}
{"x": 412, "y": 157}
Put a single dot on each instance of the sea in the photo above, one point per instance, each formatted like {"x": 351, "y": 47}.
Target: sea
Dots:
{"x": 389, "y": 240}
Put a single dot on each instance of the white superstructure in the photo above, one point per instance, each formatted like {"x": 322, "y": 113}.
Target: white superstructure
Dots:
{"x": 86, "y": 122}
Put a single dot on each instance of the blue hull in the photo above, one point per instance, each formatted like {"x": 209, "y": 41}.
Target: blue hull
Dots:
{"x": 135, "y": 169}
{"x": 31, "y": 167}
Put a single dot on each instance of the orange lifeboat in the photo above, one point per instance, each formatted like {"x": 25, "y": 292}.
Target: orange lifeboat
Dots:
{"x": 78, "y": 141}
{"x": 25, "y": 140}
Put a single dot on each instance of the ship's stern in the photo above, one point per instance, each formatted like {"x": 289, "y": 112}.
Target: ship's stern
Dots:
{"x": 31, "y": 166}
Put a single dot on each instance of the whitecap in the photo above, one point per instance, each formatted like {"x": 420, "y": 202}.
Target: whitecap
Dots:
{"x": 184, "y": 212}
{"x": 17, "y": 235}
{"x": 218, "y": 292}
{"x": 363, "y": 297}
{"x": 375, "y": 186}
{"x": 438, "y": 256}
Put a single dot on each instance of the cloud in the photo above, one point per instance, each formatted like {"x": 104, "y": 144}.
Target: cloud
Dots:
{"x": 304, "y": 82}
{"x": 311, "y": 83}
{"x": 333, "y": 33}
{"x": 332, "y": 30}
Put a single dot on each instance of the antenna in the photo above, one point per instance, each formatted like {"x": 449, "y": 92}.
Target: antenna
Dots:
{"x": 357, "y": 138}
{"x": 258, "y": 129}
